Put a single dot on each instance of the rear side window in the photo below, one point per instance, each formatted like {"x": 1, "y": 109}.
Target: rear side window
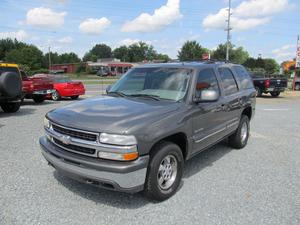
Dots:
{"x": 243, "y": 77}
{"x": 207, "y": 80}
{"x": 229, "y": 83}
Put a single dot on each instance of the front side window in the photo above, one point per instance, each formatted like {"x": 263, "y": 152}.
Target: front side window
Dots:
{"x": 206, "y": 81}
{"x": 229, "y": 83}
{"x": 164, "y": 83}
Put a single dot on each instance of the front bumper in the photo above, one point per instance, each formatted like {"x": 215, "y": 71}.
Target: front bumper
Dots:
{"x": 119, "y": 176}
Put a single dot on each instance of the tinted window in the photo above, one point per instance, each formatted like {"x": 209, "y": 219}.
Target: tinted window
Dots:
{"x": 229, "y": 83}
{"x": 243, "y": 77}
{"x": 206, "y": 81}
{"x": 8, "y": 69}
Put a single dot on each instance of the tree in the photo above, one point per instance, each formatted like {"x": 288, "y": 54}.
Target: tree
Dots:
{"x": 237, "y": 55}
{"x": 99, "y": 51}
{"x": 268, "y": 65}
{"x": 69, "y": 58}
{"x": 162, "y": 57}
{"x": 271, "y": 66}
{"x": 7, "y": 45}
{"x": 191, "y": 50}
{"x": 30, "y": 56}
{"x": 122, "y": 53}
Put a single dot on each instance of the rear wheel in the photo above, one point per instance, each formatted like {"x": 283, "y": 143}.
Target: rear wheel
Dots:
{"x": 75, "y": 97}
{"x": 11, "y": 107}
{"x": 38, "y": 98}
{"x": 56, "y": 96}
{"x": 164, "y": 172}
{"x": 275, "y": 94}
{"x": 240, "y": 138}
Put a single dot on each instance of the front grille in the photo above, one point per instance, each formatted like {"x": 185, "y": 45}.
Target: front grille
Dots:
{"x": 75, "y": 148}
{"x": 75, "y": 134}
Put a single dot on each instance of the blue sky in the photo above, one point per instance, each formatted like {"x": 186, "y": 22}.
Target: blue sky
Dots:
{"x": 267, "y": 27}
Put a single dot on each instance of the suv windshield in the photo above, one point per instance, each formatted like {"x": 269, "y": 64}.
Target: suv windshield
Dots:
{"x": 163, "y": 83}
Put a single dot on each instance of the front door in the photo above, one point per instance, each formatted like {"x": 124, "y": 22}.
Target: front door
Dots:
{"x": 209, "y": 122}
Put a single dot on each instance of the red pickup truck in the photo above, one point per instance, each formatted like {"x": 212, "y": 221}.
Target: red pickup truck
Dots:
{"x": 36, "y": 88}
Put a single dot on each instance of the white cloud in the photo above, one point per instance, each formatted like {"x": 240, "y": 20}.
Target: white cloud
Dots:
{"x": 20, "y": 35}
{"x": 129, "y": 41}
{"x": 161, "y": 18}
{"x": 65, "y": 40}
{"x": 45, "y": 17}
{"x": 286, "y": 52}
{"x": 94, "y": 26}
{"x": 246, "y": 15}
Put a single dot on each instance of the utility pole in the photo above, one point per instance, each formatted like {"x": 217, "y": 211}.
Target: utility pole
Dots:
{"x": 49, "y": 54}
{"x": 228, "y": 31}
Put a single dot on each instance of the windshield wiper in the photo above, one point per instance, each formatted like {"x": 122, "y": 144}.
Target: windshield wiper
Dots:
{"x": 154, "y": 97}
{"x": 121, "y": 94}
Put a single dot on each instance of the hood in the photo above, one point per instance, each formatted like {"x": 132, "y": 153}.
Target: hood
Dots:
{"x": 111, "y": 114}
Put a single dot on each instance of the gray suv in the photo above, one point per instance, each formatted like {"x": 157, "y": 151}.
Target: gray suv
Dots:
{"x": 156, "y": 117}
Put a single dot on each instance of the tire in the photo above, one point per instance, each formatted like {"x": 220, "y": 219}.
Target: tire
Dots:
{"x": 55, "y": 96}
{"x": 161, "y": 169}
{"x": 38, "y": 99}
{"x": 10, "y": 84}
{"x": 240, "y": 138}
{"x": 258, "y": 92}
{"x": 11, "y": 107}
{"x": 297, "y": 87}
{"x": 275, "y": 94}
{"x": 75, "y": 97}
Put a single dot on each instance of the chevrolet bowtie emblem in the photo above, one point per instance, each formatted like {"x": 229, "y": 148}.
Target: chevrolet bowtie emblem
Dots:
{"x": 65, "y": 139}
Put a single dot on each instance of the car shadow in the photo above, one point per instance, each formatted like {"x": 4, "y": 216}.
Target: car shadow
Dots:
{"x": 134, "y": 201}
{"x": 102, "y": 196}
{"x": 270, "y": 97}
{"x": 30, "y": 102}
{"x": 21, "y": 112}
{"x": 205, "y": 159}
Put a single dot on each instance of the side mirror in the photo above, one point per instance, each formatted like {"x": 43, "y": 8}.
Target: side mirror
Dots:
{"x": 108, "y": 88}
{"x": 207, "y": 96}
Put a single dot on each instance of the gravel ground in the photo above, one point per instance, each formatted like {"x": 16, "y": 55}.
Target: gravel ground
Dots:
{"x": 257, "y": 185}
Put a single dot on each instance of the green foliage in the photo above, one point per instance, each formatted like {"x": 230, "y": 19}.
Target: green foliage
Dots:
{"x": 29, "y": 55}
{"x": 237, "y": 55}
{"x": 59, "y": 59}
{"x": 269, "y": 66}
{"x": 7, "y": 45}
{"x": 99, "y": 51}
{"x": 81, "y": 68}
{"x": 122, "y": 53}
{"x": 191, "y": 50}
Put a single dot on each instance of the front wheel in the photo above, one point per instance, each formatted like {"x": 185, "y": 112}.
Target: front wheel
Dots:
{"x": 11, "y": 107}
{"x": 164, "y": 171}
{"x": 240, "y": 138}
{"x": 275, "y": 94}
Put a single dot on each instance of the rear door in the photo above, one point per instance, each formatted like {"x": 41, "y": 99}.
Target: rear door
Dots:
{"x": 231, "y": 98}
{"x": 208, "y": 119}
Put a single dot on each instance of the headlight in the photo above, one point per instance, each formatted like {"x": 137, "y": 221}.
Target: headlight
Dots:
{"x": 46, "y": 123}
{"x": 115, "y": 139}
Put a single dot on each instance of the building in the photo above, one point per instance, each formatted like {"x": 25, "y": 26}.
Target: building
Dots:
{"x": 65, "y": 67}
{"x": 114, "y": 65}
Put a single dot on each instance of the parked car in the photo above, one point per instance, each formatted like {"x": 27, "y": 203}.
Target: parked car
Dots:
{"x": 10, "y": 87}
{"x": 104, "y": 71}
{"x": 151, "y": 122}
{"x": 264, "y": 85}
{"x": 64, "y": 87}
{"x": 36, "y": 88}
{"x": 297, "y": 84}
